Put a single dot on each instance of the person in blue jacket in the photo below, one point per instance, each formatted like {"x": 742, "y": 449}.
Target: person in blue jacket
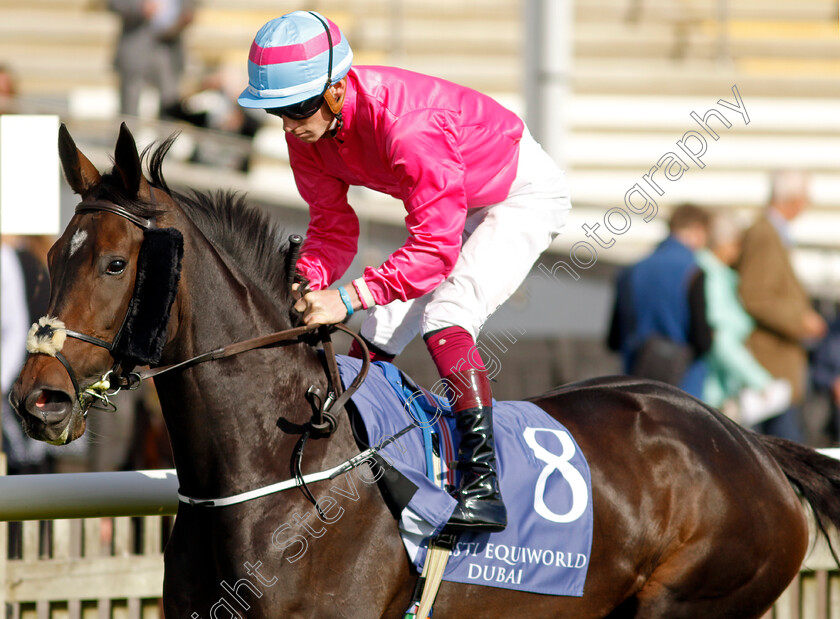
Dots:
{"x": 663, "y": 297}
{"x": 825, "y": 375}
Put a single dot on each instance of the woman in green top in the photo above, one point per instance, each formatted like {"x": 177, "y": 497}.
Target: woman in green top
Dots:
{"x": 733, "y": 372}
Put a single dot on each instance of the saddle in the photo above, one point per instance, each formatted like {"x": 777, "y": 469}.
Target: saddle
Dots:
{"x": 543, "y": 473}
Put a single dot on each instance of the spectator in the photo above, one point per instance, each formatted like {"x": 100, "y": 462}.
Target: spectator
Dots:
{"x": 659, "y": 320}
{"x": 150, "y": 49}
{"x": 24, "y": 299}
{"x": 733, "y": 372}
{"x": 825, "y": 375}
{"x": 774, "y": 297}
{"x": 214, "y": 107}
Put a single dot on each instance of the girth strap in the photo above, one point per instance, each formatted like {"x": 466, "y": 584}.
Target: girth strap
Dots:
{"x": 437, "y": 556}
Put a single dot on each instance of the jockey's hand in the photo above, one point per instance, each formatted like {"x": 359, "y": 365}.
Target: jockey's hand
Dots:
{"x": 325, "y": 307}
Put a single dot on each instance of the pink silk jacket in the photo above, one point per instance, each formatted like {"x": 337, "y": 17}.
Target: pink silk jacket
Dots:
{"x": 439, "y": 147}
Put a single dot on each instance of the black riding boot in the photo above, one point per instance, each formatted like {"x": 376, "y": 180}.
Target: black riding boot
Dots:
{"x": 480, "y": 507}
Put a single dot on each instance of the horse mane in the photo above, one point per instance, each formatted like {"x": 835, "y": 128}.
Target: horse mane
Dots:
{"x": 249, "y": 236}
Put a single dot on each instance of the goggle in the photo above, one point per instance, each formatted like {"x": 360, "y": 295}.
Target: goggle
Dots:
{"x": 299, "y": 111}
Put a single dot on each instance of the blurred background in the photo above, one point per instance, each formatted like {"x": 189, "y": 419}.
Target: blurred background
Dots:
{"x": 607, "y": 86}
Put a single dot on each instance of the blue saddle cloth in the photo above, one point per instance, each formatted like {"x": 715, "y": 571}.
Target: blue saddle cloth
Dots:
{"x": 543, "y": 475}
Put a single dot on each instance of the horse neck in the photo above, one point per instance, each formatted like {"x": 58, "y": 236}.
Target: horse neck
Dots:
{"x": 233, "y": 422}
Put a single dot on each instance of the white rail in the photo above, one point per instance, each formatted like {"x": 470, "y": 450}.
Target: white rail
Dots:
{"x": 104, "y": 566}
{"x": 88, "y": 495}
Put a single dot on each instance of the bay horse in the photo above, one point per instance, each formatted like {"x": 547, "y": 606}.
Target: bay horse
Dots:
{"x": 694, "y": 517}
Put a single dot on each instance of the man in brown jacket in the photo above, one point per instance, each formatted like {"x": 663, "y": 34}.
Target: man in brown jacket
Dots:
{"x": 774, "y": 297}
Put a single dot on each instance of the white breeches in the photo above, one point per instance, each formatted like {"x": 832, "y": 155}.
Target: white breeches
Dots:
{"x": 500, "y": 244}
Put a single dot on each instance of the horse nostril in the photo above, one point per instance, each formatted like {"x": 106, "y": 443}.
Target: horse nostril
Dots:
{"x": 50, "y": 405}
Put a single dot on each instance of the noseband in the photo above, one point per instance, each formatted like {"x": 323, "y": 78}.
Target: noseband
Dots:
{"x": 97, "y": 395}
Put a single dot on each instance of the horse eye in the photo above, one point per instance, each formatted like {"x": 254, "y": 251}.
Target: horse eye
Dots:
{"x": 115, "y": 267}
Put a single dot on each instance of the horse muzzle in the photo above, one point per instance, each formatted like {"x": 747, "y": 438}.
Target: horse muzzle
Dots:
{"x": 48, "y": 411}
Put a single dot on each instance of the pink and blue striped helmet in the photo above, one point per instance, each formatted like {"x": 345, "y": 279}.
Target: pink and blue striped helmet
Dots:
{"x": 291, "y": 60}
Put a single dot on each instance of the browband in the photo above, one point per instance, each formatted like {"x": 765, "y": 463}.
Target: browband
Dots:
{"x": 146, "y": 224}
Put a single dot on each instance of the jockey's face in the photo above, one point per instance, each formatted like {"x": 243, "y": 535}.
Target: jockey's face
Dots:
{"x": 310, "y": 129}
{"x": 314, "y": 127}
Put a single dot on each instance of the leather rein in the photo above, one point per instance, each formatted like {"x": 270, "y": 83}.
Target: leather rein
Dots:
{"x": 323, "y": 422}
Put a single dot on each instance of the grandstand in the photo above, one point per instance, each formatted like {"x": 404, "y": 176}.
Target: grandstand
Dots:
{"x": 639, "y": 68}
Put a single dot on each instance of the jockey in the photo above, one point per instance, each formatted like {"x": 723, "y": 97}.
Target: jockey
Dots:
{"x": 482, "y": 202}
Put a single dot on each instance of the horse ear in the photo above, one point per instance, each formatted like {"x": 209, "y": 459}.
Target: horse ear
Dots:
{"x": 80, "y": 173}
{"x": 128, "y": 165}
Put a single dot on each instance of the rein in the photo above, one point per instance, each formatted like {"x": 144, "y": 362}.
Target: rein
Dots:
{"x": 323, "y": 422}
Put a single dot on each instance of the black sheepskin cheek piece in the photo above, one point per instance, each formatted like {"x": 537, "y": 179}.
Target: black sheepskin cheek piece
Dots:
{"x": 158, "y": 271}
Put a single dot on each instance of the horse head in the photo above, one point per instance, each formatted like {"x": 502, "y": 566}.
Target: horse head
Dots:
{"x": 114, "y": 275}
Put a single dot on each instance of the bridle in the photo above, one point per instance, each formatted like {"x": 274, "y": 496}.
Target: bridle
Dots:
{"x": 324, "y": 405}
{"x": 121, "y": 376}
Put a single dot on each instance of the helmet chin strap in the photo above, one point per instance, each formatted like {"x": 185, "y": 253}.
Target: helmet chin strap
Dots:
{"x": 333, "y": 103}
